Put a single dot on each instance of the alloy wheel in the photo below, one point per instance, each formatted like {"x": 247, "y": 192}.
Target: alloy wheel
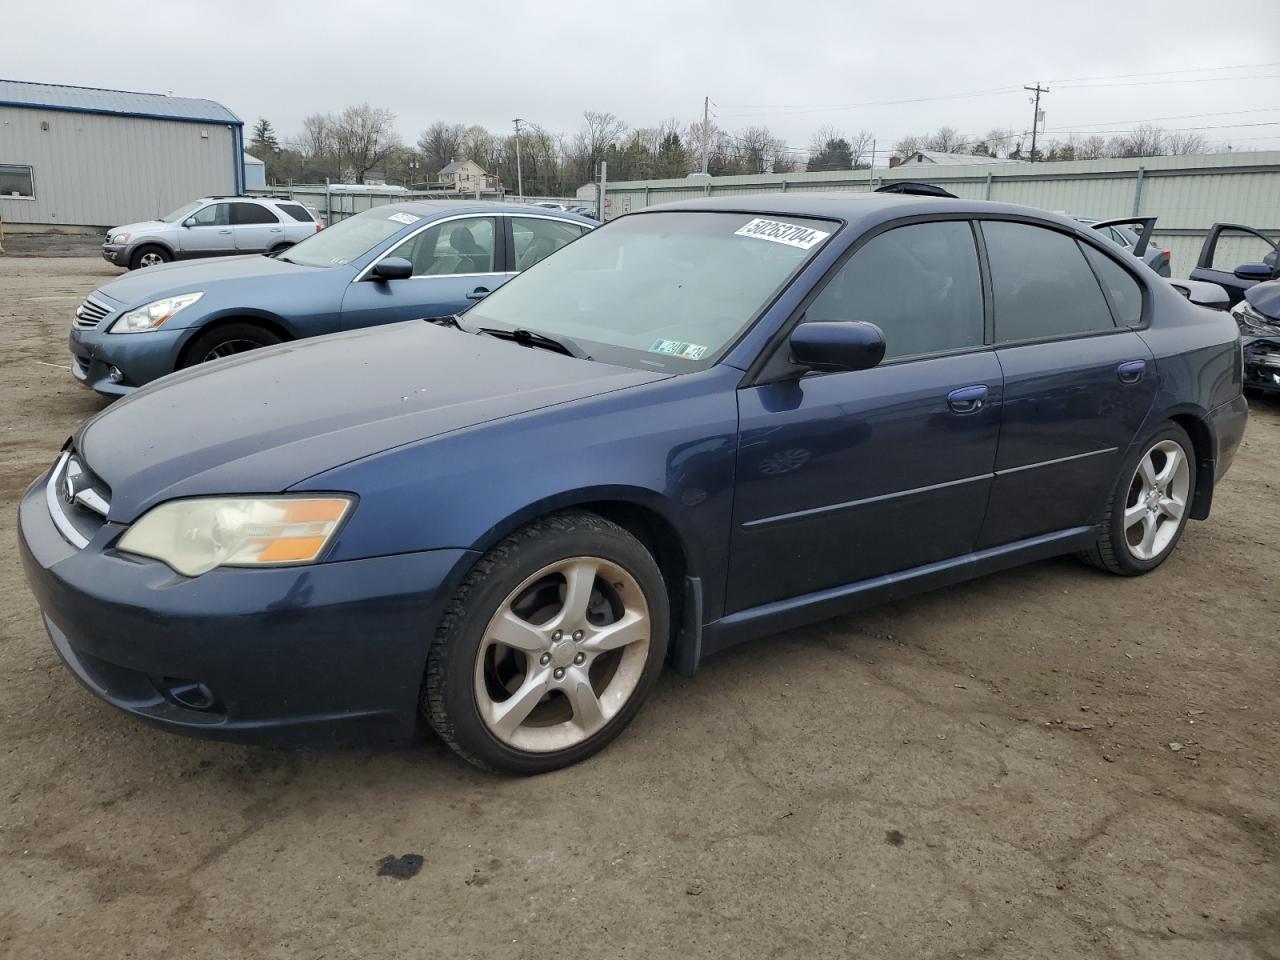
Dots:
{"x": 227, "y": 348}
{"x": 150, "y": 260}
{"x": 562, "y": 655}
{"x": 1157, "y": 500}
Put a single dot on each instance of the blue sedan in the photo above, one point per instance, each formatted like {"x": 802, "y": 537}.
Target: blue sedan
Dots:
{"x": 700, "y": 424}
{"x": 405, "y": 261}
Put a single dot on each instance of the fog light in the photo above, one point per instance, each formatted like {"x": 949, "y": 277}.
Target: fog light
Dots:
{"x": 114, "y": 375}
{"x": 190, "y": 694}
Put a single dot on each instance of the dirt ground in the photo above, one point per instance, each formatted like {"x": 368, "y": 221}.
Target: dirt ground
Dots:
{"x": 1050, "y": 762}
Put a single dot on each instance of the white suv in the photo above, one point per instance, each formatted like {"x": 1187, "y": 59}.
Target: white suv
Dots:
{"x": 211, "y": 227}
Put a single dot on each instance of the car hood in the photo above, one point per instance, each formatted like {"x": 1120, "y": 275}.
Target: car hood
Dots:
{"x": 142, "y": 226}
{"x": 265, "y": 421}
{"x": 1265, "y": 298}
{"x": 185, "y": 276}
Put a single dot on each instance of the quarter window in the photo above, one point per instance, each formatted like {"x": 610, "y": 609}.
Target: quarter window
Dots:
{"x": 1041, "y": 285}
{"x": 1124, "y": 292}
{"x": 297, "y": 211}
{"x": 249, "y": 213}
{"x": 536, "y": 239}
{"x": 452, "y": 247}
{"x": 16, "y": 180}
{"x": 919, "y": 284}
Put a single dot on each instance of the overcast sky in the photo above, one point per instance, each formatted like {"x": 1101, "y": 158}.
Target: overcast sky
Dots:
{"x": 793, "y": 66}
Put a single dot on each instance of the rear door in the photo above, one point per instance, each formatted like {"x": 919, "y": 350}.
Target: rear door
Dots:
{"x": 257, "y": 228}
{"x": 455, "y": 263}
{"x": 1228, "y": 246}
{"x": 842, "y": 477}
{"x": 1078, "y": 379}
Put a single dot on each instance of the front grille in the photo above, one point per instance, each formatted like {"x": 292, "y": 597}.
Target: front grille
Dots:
{"x": 90, "y": 313}
{"x": 78, "y": 500}
{"x": 1263, "y": 353}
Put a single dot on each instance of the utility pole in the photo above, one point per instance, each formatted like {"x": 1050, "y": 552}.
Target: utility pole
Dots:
{"x": 706, "y": 132}
{"x": 1035, "y": 116}
{"x": 519, "y": 176}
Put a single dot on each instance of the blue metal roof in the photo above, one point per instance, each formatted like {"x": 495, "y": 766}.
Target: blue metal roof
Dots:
{"x": 54, "y": 96}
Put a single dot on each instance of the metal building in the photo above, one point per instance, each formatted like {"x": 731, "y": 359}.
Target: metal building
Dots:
{"x": 81, "y": 156}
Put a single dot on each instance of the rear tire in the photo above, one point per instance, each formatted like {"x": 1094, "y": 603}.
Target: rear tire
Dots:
{"x": 151, "y": 255}
{"x": 549, "y": 647}
{"x": 228, "y": 340}
{"x": 1149, "y": 506}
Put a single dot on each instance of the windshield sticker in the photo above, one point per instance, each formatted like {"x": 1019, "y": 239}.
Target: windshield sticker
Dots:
{"x": 791, "y": 234}
{"x": 404, "y": 218}
{"x": 678, "y": 348}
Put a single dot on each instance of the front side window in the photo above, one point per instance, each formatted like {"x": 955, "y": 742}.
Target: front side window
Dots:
{"x": 1235, "y": 247}
{"x": 919, "y": 284}
{"x": 214, "y": 215}
{"x": 249, "y": 213}
{"x": 666, "y": 291}
{"x": 536, "y": 239}
{"x": 347, "y": 239}
{"x": 452, "y": 247}
{"x": 1041, "y": 284}
{"x": 17, "y": 180}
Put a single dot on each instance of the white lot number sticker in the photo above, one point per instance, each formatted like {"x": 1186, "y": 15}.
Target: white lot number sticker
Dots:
{"x": 791, "y": 234}
{"x": 404, "y": 218}
{"x": 679, "y": 348}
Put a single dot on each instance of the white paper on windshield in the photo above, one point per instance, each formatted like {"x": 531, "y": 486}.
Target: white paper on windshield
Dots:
{"x": 793, "y": 235}
{"x": 404, "y": 218}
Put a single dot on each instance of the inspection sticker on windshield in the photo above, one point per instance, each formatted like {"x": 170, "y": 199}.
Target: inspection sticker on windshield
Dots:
{"x": 404, "y": 218}
{"x": 678, "y": 348}
{"x": 789, "y": 233}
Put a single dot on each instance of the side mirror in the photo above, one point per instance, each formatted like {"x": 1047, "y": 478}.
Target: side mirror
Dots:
{"x": 840, "y": 345}
{"x": 1254, "y": 271}
{"x": 393, "y": 268}
{"x": 189, "y": 222}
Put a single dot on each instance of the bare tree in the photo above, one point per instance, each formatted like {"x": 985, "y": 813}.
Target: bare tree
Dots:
{"x": 1144, "y": 140}
{"x": 364, "y": 135}
{"x": 440, "y": 145}
{"x": 946, "y": 140}
{"x": 598, "y": 133}
{"x": 1183, "y": 142}
{"x": 860, "y": 145}
{"x": 1092, "y": 147}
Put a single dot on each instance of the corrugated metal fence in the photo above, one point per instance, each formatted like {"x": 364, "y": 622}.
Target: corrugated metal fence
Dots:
{"x": 1187, "y": 194}
{"x": 334, "y": 204}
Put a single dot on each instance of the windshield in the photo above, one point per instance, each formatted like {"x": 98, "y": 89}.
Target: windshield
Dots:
{"x": 664, "y": 291}
{"x": 182, "y": 212}
{"x": 348, "y": 239}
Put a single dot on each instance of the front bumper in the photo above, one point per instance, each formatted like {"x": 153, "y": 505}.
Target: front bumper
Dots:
{"x": 331, "y": 651}
{"x": 115, "y": 253}
{"x": 1262, "y": 363}
{"x": 140, "y": 357}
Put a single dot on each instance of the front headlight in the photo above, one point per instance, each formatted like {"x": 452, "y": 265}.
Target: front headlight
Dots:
{"x": 120, "y": 238}
{"x": 151, "y": 315}
{"x": 194, "y": 536}
{"x": 1251, "y": 321}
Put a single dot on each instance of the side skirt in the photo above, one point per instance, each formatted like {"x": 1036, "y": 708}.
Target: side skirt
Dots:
{"x": 797, "y": 611}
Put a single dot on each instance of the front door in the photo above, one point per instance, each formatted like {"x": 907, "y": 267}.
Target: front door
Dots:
{"x": 207, "y": 232}
{"x": 1078, "y": 379}
{"x": 455, "y": 263}
{"x": 843, "y": 477}
{"x": 1229, "y": 246}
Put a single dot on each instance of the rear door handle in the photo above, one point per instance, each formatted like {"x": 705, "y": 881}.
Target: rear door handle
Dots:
{"x": 479, "y": 293}
{"x": 968, "y": 399}
{"x": 1131, "y": 371}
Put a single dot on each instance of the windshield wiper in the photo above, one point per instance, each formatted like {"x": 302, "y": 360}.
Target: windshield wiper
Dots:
{"x": 529, "y": 338}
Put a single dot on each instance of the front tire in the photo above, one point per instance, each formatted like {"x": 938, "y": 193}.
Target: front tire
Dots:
{"x": 549, "y": 647}
{"x": 1149, "y": 507}
{"x": 228, "y": 340}
{"x": 151, "y": 255}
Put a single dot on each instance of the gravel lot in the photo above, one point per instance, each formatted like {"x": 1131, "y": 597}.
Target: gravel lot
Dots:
{"x": 1049, "y": 762}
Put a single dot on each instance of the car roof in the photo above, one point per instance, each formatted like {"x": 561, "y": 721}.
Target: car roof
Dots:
{"x": 860, "y": 210}
{"x": 439, "y": 208}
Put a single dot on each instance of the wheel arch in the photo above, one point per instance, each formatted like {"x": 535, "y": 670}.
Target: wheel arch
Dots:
{"x": 1196, "y": 423}
{"x": 149, "y": 242}
{"x": 265, "y": 321}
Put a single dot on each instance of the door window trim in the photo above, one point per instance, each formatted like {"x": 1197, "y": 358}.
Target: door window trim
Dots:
{"x": 497, "y": 256}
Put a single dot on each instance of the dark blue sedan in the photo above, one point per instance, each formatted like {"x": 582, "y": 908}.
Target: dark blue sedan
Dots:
{"x": 404, "y": 261}
{"x": 699, "y": 424}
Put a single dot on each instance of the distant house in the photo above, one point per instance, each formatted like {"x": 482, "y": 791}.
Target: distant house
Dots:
{"x": 946, "y": 159}
{"x": 466, "y": 176}
{"x": 255, "y": 173}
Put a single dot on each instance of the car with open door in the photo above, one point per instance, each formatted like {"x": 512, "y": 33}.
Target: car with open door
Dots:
{"x": 403, "y": 261}
{"x": 1236, "y": 257}
{"x": 702, "y": 423}
{"x": 1134, "y": 235}
{"x": 1258, "y": 315}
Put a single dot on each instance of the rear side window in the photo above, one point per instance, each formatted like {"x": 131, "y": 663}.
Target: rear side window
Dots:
{"x": 244, "y": 213}
{"x": 536, "y": 239}
{"x": 1124, "y": 292}
{"x": 1041, "y": 284}
{"x": 297, "y": 211}
{"x": 919, "y": 284}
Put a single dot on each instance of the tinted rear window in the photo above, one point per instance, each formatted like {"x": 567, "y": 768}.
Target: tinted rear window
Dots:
{"x": 297, "y": 211}
{"x": 1041, "y": 284}
{"x": 253, "y": 213}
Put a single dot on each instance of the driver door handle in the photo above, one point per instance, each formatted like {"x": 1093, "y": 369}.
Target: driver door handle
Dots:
{"x": 1131, "y": 371}
{"x": 968, "y": 399}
